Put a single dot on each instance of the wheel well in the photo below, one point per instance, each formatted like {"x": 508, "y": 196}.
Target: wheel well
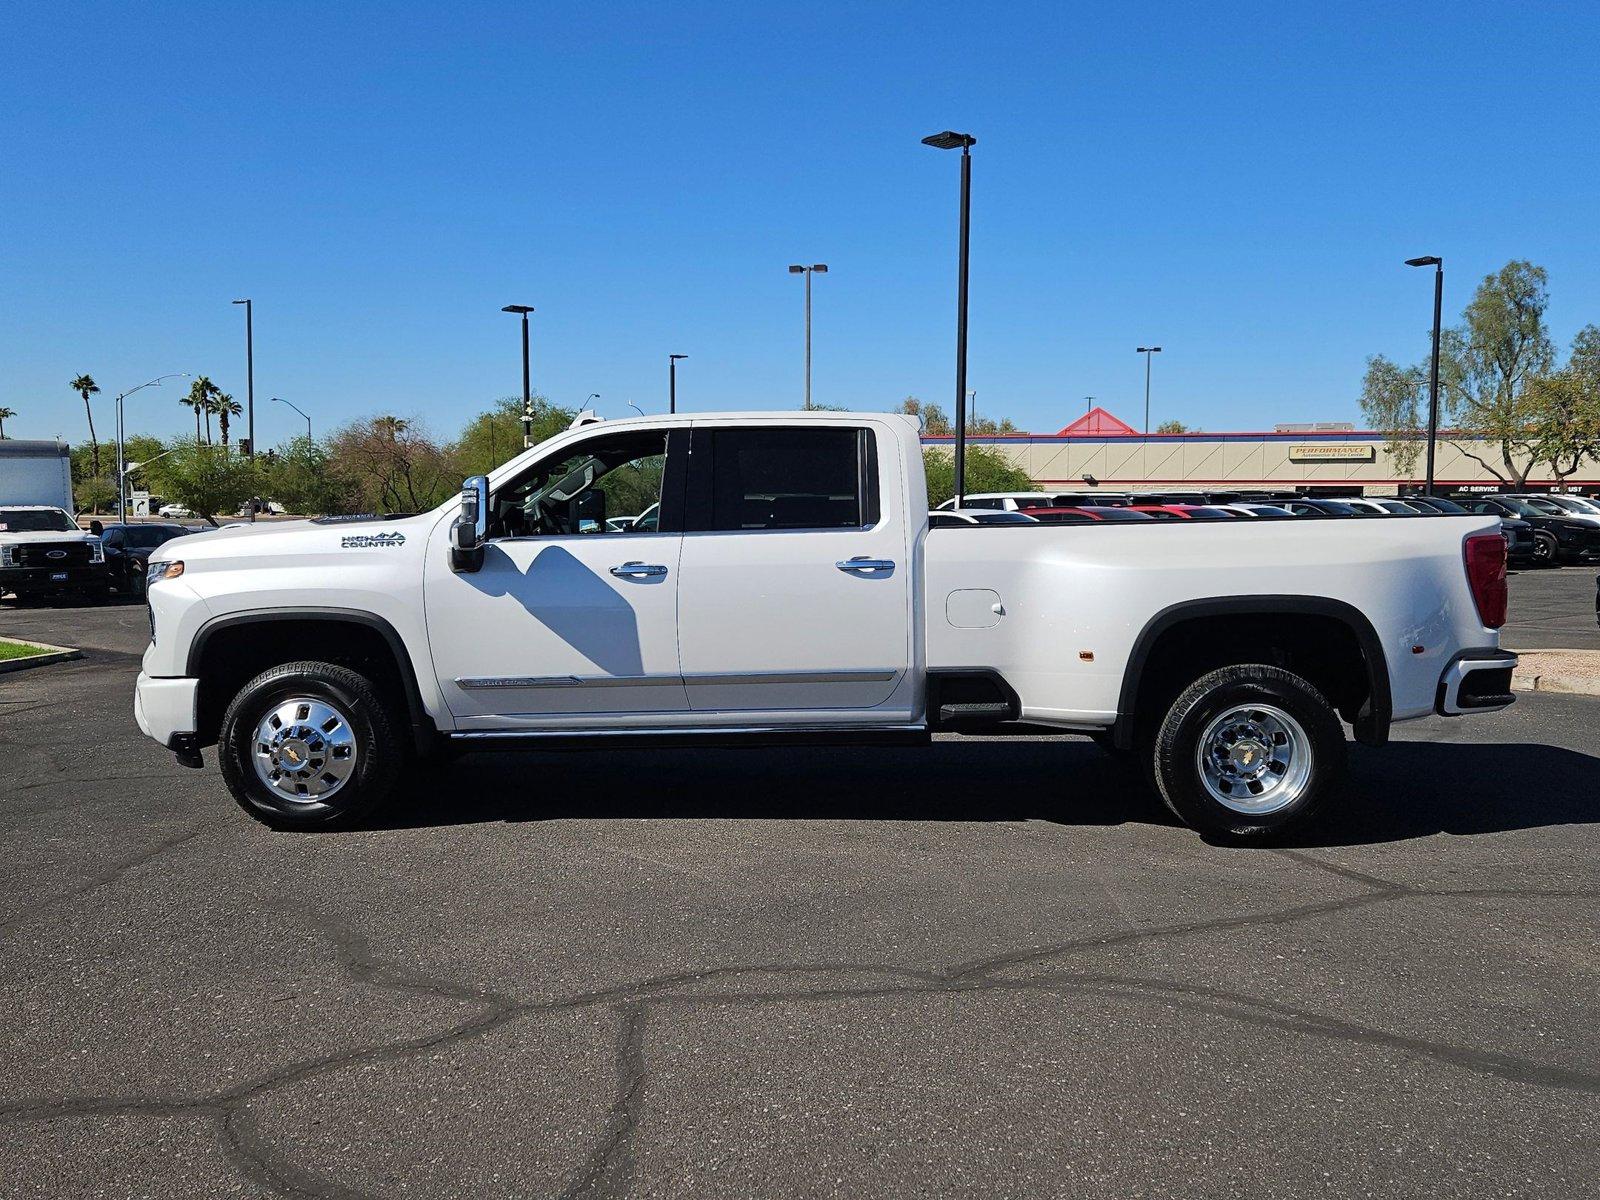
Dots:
{"x": 1323, "y": 648}
{"x": 229, "y": 654}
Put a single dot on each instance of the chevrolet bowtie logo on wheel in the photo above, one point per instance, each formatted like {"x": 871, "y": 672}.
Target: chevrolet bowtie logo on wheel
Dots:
{"x": 368, "y": 541}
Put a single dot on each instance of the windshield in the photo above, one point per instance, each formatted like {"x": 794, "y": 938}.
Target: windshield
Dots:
{"x": 1576, "y": 504}
{"x": 35, "y": 520}
{"x": 1521, "y": 507}
{"x": 147, "y": 537}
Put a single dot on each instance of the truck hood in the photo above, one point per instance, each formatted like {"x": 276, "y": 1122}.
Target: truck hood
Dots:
{"x": 73, "y": 535}
{"x": 319, "y": 536}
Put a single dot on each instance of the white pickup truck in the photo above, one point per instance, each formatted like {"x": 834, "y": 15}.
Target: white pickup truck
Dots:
{"x": 789, "y": 587}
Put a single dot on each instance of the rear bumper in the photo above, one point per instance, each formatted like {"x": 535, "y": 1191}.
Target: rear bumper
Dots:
{"x": 164, "y": 709}
{"x": 1476, "y": 681}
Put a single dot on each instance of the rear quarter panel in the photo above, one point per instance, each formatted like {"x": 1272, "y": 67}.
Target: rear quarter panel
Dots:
{"x": 1076, "y": 598}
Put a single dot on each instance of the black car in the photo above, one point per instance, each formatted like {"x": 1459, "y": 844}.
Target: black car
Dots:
{"x": 1555, "y": 539}
{"x": 1518, "y": 533}
{"x": 1312, "y": 506}
{"x": 128, "y": 552}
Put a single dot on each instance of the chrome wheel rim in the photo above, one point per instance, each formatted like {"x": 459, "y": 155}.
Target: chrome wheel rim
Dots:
{"x": 1254, "y": 759}
{"x": 304, "y": 750}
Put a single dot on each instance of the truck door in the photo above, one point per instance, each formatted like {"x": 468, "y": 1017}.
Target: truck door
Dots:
{"x": 794, "y": 585}
{"x": 567, "y": 619}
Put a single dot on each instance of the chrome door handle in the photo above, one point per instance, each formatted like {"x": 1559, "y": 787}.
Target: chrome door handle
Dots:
{"x": 865, "y": 565}
{"x": 638, "y": 570}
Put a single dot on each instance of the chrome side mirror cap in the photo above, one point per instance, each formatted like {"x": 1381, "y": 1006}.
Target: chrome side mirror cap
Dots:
{"x": 471, "y": 528}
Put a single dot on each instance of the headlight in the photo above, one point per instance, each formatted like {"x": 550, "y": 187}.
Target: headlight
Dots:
{"x": 97, "y": 551}
{"x": 163, "y": 570}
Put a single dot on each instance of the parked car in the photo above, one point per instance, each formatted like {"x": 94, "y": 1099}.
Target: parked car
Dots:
{"x": 977, "y": 516}
{"x": 1556, "y": 540}
{"x": 1257, "y": 509}
{"x": 1023, "y": 501}
{"x": 174, "y": 511}
{"x": 1182, "y": 512}
{"x": 1518, "y": 533}
{"x": 43, "y": 552}
{"x": 127, "y": 551}
{"x": 1311, "y": 506}
{"x": 1072, "y": 515}
{"x": 1558, "y": 506}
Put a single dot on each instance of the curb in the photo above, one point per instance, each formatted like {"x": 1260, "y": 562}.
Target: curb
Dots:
{"x": 57, "y": 654}
{"x": 1568, "y": 672}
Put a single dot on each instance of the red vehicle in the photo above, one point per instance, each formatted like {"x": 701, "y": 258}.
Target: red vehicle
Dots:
{"x": 1083, "y": 516}
{"x": 1180, "y": 512}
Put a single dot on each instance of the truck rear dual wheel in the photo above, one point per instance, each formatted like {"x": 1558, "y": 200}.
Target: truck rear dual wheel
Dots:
{"x": 1247, "y": 751}
{"x": 310, "y": 745}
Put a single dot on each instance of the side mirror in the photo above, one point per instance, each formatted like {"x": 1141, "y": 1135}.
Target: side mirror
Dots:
{"x": 96, "y": 528}
{"x": 470, "y": 529}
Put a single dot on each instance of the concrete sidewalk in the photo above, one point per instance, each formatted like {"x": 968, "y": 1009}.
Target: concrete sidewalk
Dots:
{"x": 1576, "y": 672}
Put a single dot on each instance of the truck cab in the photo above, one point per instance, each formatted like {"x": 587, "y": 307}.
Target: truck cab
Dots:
{"x": 44, "y": 553}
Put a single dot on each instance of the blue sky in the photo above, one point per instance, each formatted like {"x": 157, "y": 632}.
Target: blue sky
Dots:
{"x": 1238, "y": 183}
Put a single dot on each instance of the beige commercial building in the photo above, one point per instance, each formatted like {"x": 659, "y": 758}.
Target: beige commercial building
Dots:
{"x": 1099, "y": 450}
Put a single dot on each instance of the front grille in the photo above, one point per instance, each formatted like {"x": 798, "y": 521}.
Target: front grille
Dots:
{"x": 52, "y": 555}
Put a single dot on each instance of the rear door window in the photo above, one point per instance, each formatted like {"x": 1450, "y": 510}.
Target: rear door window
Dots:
{"x": 783, "y": 478}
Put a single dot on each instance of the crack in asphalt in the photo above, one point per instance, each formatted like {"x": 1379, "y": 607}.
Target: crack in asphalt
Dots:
{"x": 607, "y": 1169}
{"x": 108, "y": 876}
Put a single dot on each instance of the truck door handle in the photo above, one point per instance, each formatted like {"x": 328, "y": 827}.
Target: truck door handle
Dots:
{"x": 638, "y": 570}
{"x": 865, "y": 565}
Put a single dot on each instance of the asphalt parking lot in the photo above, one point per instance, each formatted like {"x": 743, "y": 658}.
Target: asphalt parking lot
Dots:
{"x": 992, "y": 969}
{"x": 1552, "y": 610}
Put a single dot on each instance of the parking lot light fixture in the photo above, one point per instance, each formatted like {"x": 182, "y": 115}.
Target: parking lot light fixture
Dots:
{"x": 808, "y": 272}
{"x": 1147, "y": 351}
{"x": 949, "y": 139}
{"x": 523, "y": 310}
{"x": 672, "y": 381}
{"x": 297, "y": 408}
{"x": 122, "y": 467}
{"x": 1437, "y": 263}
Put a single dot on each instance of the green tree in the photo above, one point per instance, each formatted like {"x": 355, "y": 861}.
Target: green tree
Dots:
{"x": 393, "y": 465}
{"x": 299, "y": 475}
{"x": 937, "y": 423}
{"x": 1390, "y": 397}
{"x": 1174, "y": 427}
{"x": 205, "y": 479}
{"x": 5, "y": 415}
{"x": 988, "y": 470}
{"x": 1488, "y": 361}
{"x": 495, "y": 436}
{"x": 85, "y": 386}
{"x": 226, "y": 407}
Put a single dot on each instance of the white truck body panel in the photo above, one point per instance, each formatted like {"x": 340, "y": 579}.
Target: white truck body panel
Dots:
{"x": 36, "y": 472}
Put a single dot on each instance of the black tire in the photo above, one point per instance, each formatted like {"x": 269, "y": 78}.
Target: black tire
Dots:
{"x": 381, "y": 747}
{"x": 1546, "y": 550}
{"x": 1175, "y": 764}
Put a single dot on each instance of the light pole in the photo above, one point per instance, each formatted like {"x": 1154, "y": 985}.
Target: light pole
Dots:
{"x": 122, "y": 470}
{"x": 672, "y": 381}
{"x": 950, "y": 140}
{"x": 1437, "y": 264}
{"x": 527, "y": 388}
{"x": 1147, "y": 351}
{"x": 297, "y": 408}
{"x": 808, "y": 272}
{"x": 1088, "y": 405}
{"x": 634, "y": 406}
{"x": 972, "y": 406}
{"x": 250, "y": 380}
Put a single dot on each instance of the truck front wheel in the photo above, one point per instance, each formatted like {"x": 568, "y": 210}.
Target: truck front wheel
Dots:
{"x": 310, "y": 745}
{"x": 1246, "y": 751}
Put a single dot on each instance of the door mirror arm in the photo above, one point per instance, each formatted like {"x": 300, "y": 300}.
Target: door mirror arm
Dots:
{"x": 470, "y": 530}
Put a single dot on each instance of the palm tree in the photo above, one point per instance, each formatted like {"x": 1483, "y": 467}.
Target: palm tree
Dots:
{"x": 5, "y": 413}
{"x": 393, "y": 427}
{"x": 199, "y": 399}
{"x": 225, "y": 406}
{"x": 85, "y": 386}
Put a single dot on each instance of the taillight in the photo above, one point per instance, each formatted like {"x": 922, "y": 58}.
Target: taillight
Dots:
{"x": 1486, "y": 575}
